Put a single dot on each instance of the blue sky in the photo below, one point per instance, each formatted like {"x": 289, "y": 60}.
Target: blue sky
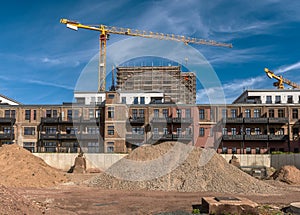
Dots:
{"x": 41, "y": 59}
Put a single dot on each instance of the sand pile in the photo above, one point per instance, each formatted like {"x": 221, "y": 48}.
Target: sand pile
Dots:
{"x": 287, "y": 174}
{"x": 13, "y": 203}
{"x": 20, "y": 168}
{"x": 177, "y": 167}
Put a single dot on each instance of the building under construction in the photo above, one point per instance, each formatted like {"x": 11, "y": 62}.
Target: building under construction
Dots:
{"x": 179, "y": 86}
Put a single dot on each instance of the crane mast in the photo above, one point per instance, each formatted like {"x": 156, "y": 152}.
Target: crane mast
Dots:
{"x": 105, "y": 31}
{"x": 281, "y": 80}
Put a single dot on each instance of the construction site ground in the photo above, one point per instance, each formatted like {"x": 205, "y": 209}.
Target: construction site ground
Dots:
{"x": 76, "y": 198}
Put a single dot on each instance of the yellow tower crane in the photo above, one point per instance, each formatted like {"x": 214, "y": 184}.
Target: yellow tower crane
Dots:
{"x": 280, "y": 80}
{"x": 105, "y": 31}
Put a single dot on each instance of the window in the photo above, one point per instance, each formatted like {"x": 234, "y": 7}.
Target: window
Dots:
{"x": 111, "y": 96}
{"x": 50, "y": 130}
{"x": 281, "y": 131}
{"x": 93, "y": 130}
{"x": 256, "y": 113}
{"x": 135, "y": 100}
{"x": 165, "y": 131}
{"x": 155, "y": 131}
{"x": 50, "y": 146}
{"x": 7, "y": 114}
{"x": 224, "y": 150}
{"x": 201, "y": 114}
{"x": 93, "y": 100}
{"x": 156, "y": 113}
{"x": 272, "y": 130}
{"x": 224, "y": 131}
{"x": 69, "y": 114}
{"x": 248, "y": 131}
{"x": 257, "y": 150}
{"x": 138, "y": 130}
{"x": 281, "y": 113}
{"x": 233, "y": 113}
{"x": 142, "y": 113}
{"x": 295, "y": 132}
{"x": 179, "y": 132}
{"x": 54, "y": 113}
{"x": 93, "y": 147}
{"x": 8, "y": 130}
{"x": 29, "y": 130}
{"x": 110, "y": 147}
{"x": 91, "y": 114}
{"x": 269, "y": 100}
{"x": 27, "y": 114}
{"x": 111, "y": 112}
{"x": 248, "y": 150}
{"x": 99, "y": 100}
{"x": 295, "y": 113}
{"x": 212, "y": 115}
{"x": 29, "y": 146}
{"x": 110, "y": 130}
{"x": 224, "y": 113}
{"x": 257, "y": 131}
{"x": 142, "y": 100}
{"x": 187, "y": 113}
{"x": 233, "y": 131}
{"x": 201, "y": 132}
{"x": 188, "y": 131}
{"x": 247, "y": 113}
{"x": 13, "y": 114}
{"x": 178, "y": 112}
{"x": 134, "y": 113}
{"x": 290, "y": 99}
{"x": 271, "y": 113}
{"x": 34, "y": 114}
{"x": 123, "y": 100}
{"x": 165, "y": 113}
{"x": 277, "y": 99}
{"x": 76, "y": 114}
{"x": 234, "y": 150}
{"x": 48, "y": 113}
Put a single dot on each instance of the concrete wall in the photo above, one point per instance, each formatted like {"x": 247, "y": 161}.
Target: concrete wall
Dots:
{"x": 103, "y": 161}
{"x": 65, "y": 160}
{"x": 251, "y": 160}
{"x": 280, "y": 160}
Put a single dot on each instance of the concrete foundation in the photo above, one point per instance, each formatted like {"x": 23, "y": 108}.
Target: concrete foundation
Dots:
{"x": 228, "y": 205}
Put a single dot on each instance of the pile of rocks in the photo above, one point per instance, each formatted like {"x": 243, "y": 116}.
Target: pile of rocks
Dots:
{"x": 287, "y": 174}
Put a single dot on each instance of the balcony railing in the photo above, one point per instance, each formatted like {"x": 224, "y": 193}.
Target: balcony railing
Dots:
{"x": 233, "y": 137}
{"x": 7, "y": 120}
{"x": 232, "y": 120}
{"x": 165, "y": 137}
{"x": 7, "y": 136}
{"x": 182, "y": 120}
{"x": 67, "y": 136}
{"x": 134, "y": 136}
{"x": 281, "y": 120}
{"x": 48, "y": 136}
{"x": 137, "y": 120}
{"x": 256, "y": 120}
{"x": 162, "y": 120}
{"x": 256, "y": 137}
{"x": 278, "y": 137}
{"x": 87, "y": 136}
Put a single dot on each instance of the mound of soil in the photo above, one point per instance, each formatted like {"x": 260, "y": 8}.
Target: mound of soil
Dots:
{"x": 287, "y": 174}
{"x": 173, "y": 166}
{"x": 13, "y": 203}
{"x": 20, "y": 168}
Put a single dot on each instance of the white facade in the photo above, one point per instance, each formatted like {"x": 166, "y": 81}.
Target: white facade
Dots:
{"x": 126, "y": 97}
{"x": 6, "y": 100}
{"x": 276, "y": 96}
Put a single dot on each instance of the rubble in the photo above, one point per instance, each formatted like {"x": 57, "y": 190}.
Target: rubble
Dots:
{"x": 287, "y": 174}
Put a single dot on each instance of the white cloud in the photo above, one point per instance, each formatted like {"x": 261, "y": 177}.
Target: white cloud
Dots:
{"x": 44, "y": 83}
{"x": 287, "y": 68}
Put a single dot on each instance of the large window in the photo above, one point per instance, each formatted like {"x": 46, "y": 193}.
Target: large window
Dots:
{"x": 93, "y": 147}
{"x": 224, "y": 113}
{"x": 27, "y": 114}
{"x": 48, "y": 113}
{"x": 165, "y": 131}
{"x": 142, "y": 100}
{"x": 110, "y": 130}
{"x": 201, "y": 114}
{"x": 34, "y": 114}
{"x": 290, "y": 99}
{"x": 156, "y": 113}
{"x": 233, "y": 113}
{"x": 233, "y": 131}
{"x": 110, "y": 147}
{"x": 295, "y": 113}
{"x": 256, "y": 113}
{"x": 165, "y": 113}
{"x": 271, "y": 113}
{"x": 247, "y": 113}
{"x": 29, "y": 146}
{"x": 178, "y": 112}
{"x": 123, "y": 100}
{"x": 281, "y": 113}
{"x": 111, "y": 112}
{"x": 201, "y": 132}
{"x": 29, "y": 130}
{"x": 50, "y": 146}
{"x": 135, "y": 100}
{"x": 142, "y": 113}
{"x": 269, "y": 100}
{"x": 91, "y": 113}
{"x": 224, "y": 131}
{"x": 93, "y": 130}
{"x": 137, "y": 130}
{"x": 69, "y": 114}
{"x": 257, "y": 131}
{"x": 187, "y": 113}
{"x": 50, "y": 130}
{"x": 248, "y": 131}
{"x": 277, "y": 99}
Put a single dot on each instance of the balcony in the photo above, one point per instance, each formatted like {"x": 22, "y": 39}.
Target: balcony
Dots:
{"x": 137, "y": 120}
{"x": 278, "y": 137}
{"x": 232, "y": 120}
{"x": 183, "y": 137}
{"x": 88, "y": 136}
{"x": 163, "y": 120}
{"x": 256, "y": 137}
{"x": 174, "y": 137}
{"x": 232, "y": 137}
{"x": 162, "y": 137}
{"x": 67, "y": 136}
{"x": 7, "y": 120}
{"x": 256, "y": 120}
{"x": 7, "y": 136}
{"x": 49, "y": 136}
{"x": 182, "y": 120}
{"x": 50, "y": 120}
{"x": 280, "y": 120}
{"x": 135, "y": 137}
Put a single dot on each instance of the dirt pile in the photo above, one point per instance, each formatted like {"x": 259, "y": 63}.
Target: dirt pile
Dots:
{"x": 177, "y": 167}
{"x": 13, "y": 203}
{"x": 20, "y": 168}
{"x": 287, "y": 174}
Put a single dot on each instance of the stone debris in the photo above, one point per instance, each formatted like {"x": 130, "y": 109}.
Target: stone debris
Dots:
{"x": 172, "y": 166}
{"x": 287, "y": 174}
